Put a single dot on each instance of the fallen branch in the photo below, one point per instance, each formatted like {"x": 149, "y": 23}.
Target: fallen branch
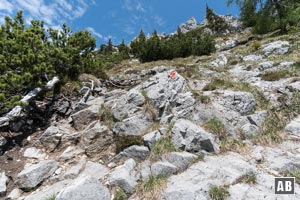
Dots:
{"x": 16, "y": 112}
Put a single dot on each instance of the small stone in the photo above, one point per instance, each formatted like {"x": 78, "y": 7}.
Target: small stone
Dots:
{"x": 34, "y": 153}
{"x": 14, "y": 194}
{"x": 3, "y": 182}
{"x": 163, "y": 168}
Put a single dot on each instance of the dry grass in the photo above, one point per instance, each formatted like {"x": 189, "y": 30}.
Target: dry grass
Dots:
{"x": 233, "y": 145}
{"x": 124, "y": 141}
{"x": 152, "y": 188}
{"x": 249, "y": 178}
{"x": 149, "y": 107}
{"x": 161, "y": 147}
{"x": 106, "y": 116}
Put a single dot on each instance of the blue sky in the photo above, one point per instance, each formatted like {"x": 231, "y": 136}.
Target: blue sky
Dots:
{"x": 116, "y": 19}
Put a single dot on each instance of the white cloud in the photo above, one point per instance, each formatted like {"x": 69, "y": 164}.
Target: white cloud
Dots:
{"x": 6, "y": 6}
{"x": 94, "y": 32}
{"x": 134, "y": 5}
{"x": 52, "y": 12}
{"x": 158, "y": 20}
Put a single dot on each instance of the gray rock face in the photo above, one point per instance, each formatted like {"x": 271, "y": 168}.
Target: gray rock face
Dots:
{"x": 135, "y": 125}
{"x": 169, "y": 96}
{"x": 163, "y": 168}
{"x": 293, "y": 128}
{"x": 189, "y": 25}
{"x": 241, "y": 102}
{"x": 151, "y": 138}
{"x": 128, "y": 105}
{"x": 124, "y": 176}
{"x": 96, "y": 139}
{"x": 250, "y": 130}
{"x": 182, "y": 160}
{"x": 70, "y": 153}
{"x": 48, "y": 191}
{"x": 95, "y": 170}
{"x": 84, "y": 117}
{"x": 145, "y": 171}
{"x": 51, "y": 138}
{"x": 88, "y": 188}
{"x": 34, "y": 153}
{"x": 258, "y": 118}
{"x": 138, "y": 153}
{"x": 252, "y": 58}
{"x": 195, "y": 182}
{"x": 14, "y": 194}
{"x": 277, "y": 47}
{"x": 190, "y": 137}
{"x": 33, "y": 175}
{"x": 3, "y": 182}
{"x": 266, "y": 65}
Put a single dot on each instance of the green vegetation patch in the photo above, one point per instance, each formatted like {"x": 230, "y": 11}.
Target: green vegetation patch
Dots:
{"x": 219, "y": 192}
{"x": 152, "y": 187}
{"x": 161, "y": 147}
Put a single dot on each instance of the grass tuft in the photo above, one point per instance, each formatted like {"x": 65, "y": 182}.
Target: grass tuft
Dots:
{"x": 51, "y": 197}
{"x": 124, "y": 141}
{"x": 161, "y": 147}
{"x": 120, "y": 195}
{"x": 151, "y": 188}
{"x": 217, "y": 127}
{"x": 233, "y": 145}
{"x": 218, "y": 193}
{"x": 249, "y": 178}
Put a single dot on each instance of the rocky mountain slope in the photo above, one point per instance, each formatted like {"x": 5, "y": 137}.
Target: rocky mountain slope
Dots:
{"x": 213, "y": 127}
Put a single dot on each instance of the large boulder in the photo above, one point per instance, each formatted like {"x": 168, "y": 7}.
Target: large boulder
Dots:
{"x": 133, "y": 126}
{"x": 84, "y": 117}
{"x": 33, "y": 175}
{"x": 124, "y": 176}
{"x": 241, "y": 102}
{"x": 88, "y": 188}
{"x": 96, "y": 138}
{"x": 161, "y": 168}
{"x": 190, "y": 137}
{"x": 127, "y": 105}
{"x": 138, "y": 153}
{"x": 51, "y": 138}
{"x": 170, "y": 96}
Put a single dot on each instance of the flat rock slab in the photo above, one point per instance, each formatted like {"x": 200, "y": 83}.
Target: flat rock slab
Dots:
{"x": 33, "y": 175}
{"x": 87, "y": 188}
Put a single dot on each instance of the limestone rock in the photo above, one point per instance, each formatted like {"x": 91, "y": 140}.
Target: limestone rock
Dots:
{"x": 252, "y": 58}
{"x": 124, "y": 176}
{"x": 151, "y": 138}
{"x": 189, "y": 25}
{"x": 241, "y": 102}
{"x": 84, "y": 117}
{"x": 190, "y": 137}
{"x": 14, "y": 194}
{"x": 96, "y": 138}
{"x": 277, "y": 47}
{"x": 138, "y": 153}
{"x": 293, "y": 128}
{"x": 161, "y": 168}
{"x": 70, "y": 153}
{"x": 135, "y": 125}
{"x": 88, "y": 188}
{"x": 33, "y": 175}
{"x": 51, "y": 138}
{"x": 34, "y": 153}
{"x": 182, "y": 160}
{"x": 3, "y": 182}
